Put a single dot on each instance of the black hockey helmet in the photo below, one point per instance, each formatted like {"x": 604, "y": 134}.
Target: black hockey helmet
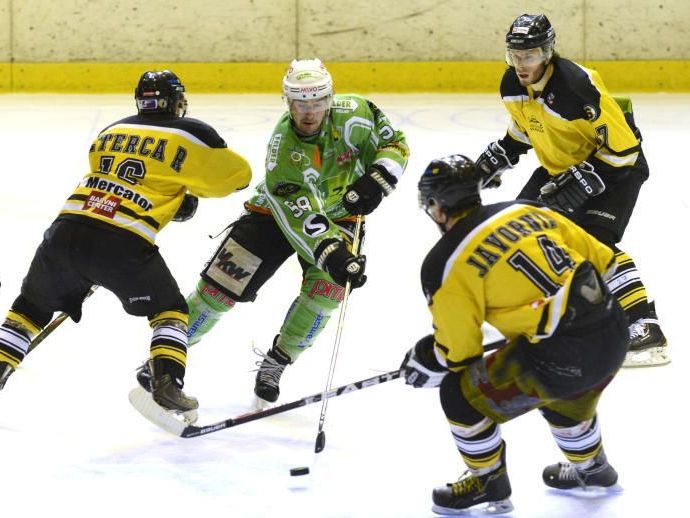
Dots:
{"x": 530, "y": 31}
{"x": 453, "y": 182}
{"x": 160, "y": 92}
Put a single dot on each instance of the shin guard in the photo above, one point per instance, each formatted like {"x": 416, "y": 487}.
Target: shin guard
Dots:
{"x": 309, "y": 313}
{"x": 207, "y": 305}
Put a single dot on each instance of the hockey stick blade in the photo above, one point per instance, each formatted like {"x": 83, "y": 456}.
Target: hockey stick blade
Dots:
{"x": 144, "y": 404}
{"x": 320, "y": 443}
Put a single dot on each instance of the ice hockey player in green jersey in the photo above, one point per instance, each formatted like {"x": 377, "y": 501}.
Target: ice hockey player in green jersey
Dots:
{"x": 145, "y": 171}
{"x": 330, "y": 158}
{"x": 537, "y": 277}
{"x": 591, "y": 161}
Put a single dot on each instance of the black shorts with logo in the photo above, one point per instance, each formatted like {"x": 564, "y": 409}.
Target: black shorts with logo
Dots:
{"x": 250, "y": 254}
{"x": 77, "y": 253}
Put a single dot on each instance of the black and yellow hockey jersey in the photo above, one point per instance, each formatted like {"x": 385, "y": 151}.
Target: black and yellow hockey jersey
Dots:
{"x": 510, "y": 264}
{"x": 142, "y": 166}
{"x": 567, "y": 117}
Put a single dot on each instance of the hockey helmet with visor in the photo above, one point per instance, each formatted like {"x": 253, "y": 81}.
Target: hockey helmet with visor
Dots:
{"x": 307, "y": 85}
{"x": 530, "y": 40}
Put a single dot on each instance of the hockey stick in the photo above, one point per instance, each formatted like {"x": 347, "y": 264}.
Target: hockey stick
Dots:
{"x": 144, "y": 404}
{"x": 148, "y": 408}
{"x": 53, "y": 324}
{"x": 49, "y": 328}
{"x": 320, "y": 442}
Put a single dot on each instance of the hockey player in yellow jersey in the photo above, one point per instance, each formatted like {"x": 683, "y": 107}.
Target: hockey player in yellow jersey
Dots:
{"x": 537, "y": 277}
{"x": 592, "y": 164}
{"x": 145, "y": 170}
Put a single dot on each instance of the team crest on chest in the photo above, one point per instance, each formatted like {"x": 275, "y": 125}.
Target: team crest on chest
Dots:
{"x": 298, "y": 156}
{"x": 535, "y": 124}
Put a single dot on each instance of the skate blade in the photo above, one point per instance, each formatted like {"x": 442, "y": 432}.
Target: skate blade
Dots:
{"x": 652, "y": 357}
{"x": 190, "y": 416}
{"x": 589, "y": 492}
{"x": 486, "y": 509}
{"x": 262, "y": 404}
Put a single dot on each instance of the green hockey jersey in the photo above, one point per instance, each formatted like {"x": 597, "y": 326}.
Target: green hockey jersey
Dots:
{"x": 307, "y": 177}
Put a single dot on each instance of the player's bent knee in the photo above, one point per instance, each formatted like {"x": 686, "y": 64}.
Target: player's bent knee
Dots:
{"x": 35, "y": 317}
{"x": 213, "y": 296}
{"x": 455, "y": 405}
{"x": 232, "y": 270}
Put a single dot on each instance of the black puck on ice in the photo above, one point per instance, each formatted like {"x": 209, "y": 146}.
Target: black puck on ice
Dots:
{"x": 296, "y": 472}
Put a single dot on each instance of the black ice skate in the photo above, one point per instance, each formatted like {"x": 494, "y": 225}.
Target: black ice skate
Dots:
{"x": 267, "y": 386}
{"x": 492, "y": 489}
{"x": 168, "y": 394}
{"x": 565, "y": 475}
{"x": 648, "y": 346}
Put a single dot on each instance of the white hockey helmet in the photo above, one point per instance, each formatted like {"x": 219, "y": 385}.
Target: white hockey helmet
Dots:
{"x": 307, "y": 79}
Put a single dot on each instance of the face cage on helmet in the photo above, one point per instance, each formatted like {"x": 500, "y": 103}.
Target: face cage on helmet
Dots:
{"x": 424, "y": 202}
{"x": 182, "y": 105}
{"x": 545, "y": 56}
{"x": 427, "y": 199}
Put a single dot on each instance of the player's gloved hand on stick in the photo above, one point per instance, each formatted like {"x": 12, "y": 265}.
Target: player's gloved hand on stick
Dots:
{"x": 365, "y": 193}
{"x": 492, "y": 162}
{"x": 187, "y": 208}
{"x": 420, "y": 368}
{"x": 571, "y": 189}
{"x": 334, "y": 258}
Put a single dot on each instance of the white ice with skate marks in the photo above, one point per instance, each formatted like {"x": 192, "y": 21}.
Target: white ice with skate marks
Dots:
{"x": 73, "y": 445}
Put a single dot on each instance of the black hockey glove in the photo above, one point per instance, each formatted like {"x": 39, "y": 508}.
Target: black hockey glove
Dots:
{"x": 569, "y": 190}
{"x": 365, "y": 193}
{"x": 420, "y": 368}
{"x": 334, "y": 258}
{"x": 492, "y": 162}
{"x": 187, "y": 208}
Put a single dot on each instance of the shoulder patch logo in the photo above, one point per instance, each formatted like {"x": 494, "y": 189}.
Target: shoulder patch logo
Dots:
{"x": 273, "y": 149}
{"x": 285, "y": 188}
{"x": 344, "y": 105}
{"x": 591, "y": 112}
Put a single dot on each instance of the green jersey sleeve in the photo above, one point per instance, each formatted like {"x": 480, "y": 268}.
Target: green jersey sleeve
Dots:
{"x": 306, "y": 178}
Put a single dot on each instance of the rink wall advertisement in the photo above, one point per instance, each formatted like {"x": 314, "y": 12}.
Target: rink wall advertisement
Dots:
{"x": 406, "y": 45}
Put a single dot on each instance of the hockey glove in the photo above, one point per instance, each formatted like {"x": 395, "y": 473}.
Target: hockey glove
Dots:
{"x": 335, "y": 259}
{"x": 420, "y": 368}
{"x": 569, "y": 190}
{"x": 187, "y": 208}
{"x": 492, "y": 162}
{"x": 365, "y": 193}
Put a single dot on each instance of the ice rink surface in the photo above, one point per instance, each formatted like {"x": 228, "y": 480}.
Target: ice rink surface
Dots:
{"x": 72, "y": 445}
